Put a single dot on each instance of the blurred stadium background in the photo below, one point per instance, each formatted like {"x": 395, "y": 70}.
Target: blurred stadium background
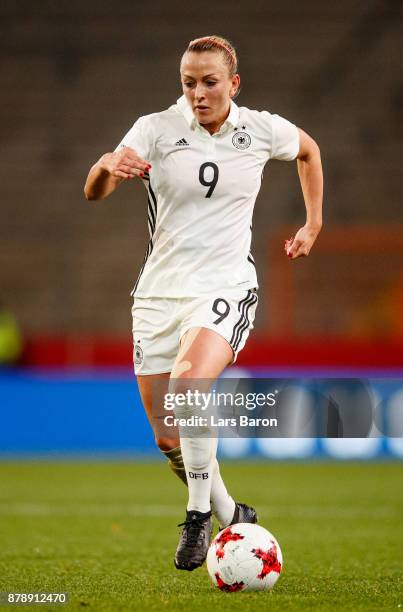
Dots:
{"x": 75, "y": 76}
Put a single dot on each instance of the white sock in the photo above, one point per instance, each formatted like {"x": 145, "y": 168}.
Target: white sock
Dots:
{"x": 222, "y": 504}
{"x": 199, "y": 449}
{"x": 199, "y": 458}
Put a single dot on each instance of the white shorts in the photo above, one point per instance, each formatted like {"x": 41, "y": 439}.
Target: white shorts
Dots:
{"x": 159, "y": 324}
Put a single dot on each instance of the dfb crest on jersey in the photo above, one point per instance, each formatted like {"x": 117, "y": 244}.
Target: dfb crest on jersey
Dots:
{"x": 138, "y": 354}
{"x": 241, "y": 140}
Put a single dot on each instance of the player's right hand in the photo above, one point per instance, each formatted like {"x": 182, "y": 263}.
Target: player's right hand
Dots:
{"x": 124, "y": 164}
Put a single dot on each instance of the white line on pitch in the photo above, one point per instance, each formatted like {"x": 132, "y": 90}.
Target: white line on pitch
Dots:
{"x": 158, "y": 511}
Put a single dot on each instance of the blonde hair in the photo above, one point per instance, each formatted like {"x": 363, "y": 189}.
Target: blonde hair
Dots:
{"x": 216, "y": 43}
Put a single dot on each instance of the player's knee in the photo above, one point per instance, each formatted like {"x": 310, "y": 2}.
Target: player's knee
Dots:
{"x": 167, "y": 444}
{"x": 187, "y": 383}
{"x": 189, "y": 373}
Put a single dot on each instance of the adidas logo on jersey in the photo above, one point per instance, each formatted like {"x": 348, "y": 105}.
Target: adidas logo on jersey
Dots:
{"x": 182, "y": 143}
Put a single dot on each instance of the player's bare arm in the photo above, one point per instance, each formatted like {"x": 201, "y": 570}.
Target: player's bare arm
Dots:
{"x": 111, "y": 169}
{"x": 311, "y": 179}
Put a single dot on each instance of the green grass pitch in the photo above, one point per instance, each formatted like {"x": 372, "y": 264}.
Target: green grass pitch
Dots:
{"x": 106, "y": 533}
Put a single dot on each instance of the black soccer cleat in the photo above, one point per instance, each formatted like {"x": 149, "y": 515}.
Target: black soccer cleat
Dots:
{"x": 243, "y": 514}
{"x": 194, "y": 541}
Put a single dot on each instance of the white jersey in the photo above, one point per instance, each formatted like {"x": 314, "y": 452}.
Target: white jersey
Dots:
{"x": 201, "y": 193}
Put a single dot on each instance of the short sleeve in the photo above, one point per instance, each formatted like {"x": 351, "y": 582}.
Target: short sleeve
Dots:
{"x": 285, "y": 139}
{"x": 139, "y": 138}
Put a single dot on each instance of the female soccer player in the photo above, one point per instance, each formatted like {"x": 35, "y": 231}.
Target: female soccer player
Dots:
{"x": 201, "y": 161}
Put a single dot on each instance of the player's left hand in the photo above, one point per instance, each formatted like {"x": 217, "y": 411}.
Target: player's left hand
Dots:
{"x": 301, "y": 244}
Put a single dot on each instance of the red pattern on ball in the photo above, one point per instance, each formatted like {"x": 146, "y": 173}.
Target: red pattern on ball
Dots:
{"x": 229, "y": 588}
{"x": 269, "y": 559}
{"x": 226, "y": 536}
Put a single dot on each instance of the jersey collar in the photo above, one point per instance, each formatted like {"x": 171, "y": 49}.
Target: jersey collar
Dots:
{"x": 232, "y": 120}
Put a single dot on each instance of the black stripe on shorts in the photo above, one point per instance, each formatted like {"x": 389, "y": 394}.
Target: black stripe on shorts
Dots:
{"x": 243, "y": 322}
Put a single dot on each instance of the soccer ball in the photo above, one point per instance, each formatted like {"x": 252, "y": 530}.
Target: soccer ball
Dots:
{"x": 244, "y": 557}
